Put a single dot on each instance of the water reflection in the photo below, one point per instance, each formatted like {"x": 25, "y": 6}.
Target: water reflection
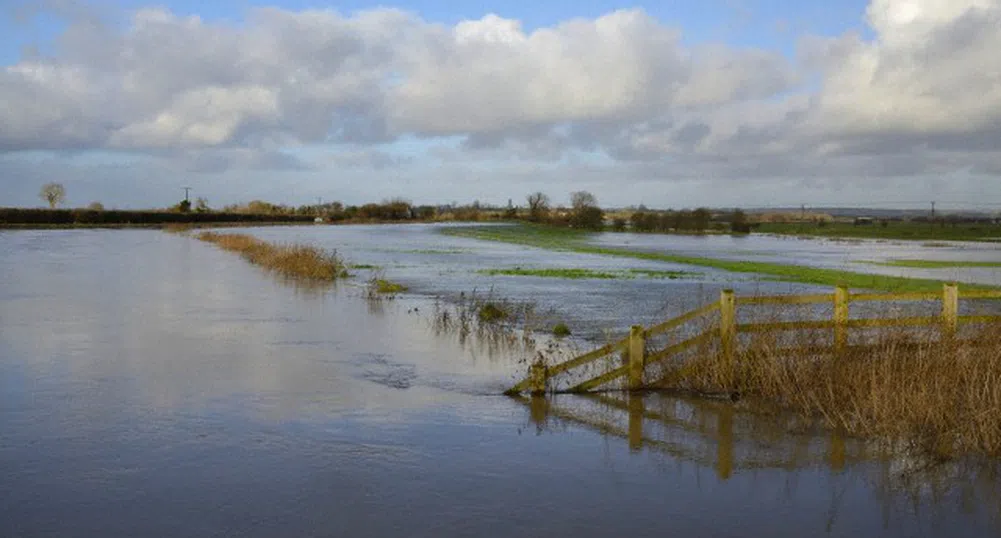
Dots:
{"x": 733, "y": 440}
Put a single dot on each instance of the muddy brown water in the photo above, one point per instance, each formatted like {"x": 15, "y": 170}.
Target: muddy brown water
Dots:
{"x": 153, "y": 385}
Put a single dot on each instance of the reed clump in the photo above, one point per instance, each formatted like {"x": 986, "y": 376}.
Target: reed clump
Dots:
{"x": 287, "y": 260}
{"x": 938, "y": 398}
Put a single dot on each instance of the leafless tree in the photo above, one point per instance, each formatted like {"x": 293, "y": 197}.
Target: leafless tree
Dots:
{"x": 53, "y": 194}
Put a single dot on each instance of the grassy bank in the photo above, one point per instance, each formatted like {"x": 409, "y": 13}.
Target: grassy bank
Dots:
{"x": 570, "y": 240}
{"x": 908, "y": 390}
{"x": 923, "y": 231}
{"x": 296, "y": 261}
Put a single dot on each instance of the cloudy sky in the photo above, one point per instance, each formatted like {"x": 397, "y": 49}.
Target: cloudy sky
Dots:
{"x": 671, "y": 104}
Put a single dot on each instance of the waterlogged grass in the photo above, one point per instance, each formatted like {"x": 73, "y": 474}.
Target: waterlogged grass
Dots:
{"x": 580, "y": 274}
{"x": 437, "y": 251}
{"x": 381, "y": 285}
{"x": 288, "y": 260}
{"x": 894, "y": 230}
{"x": 570, "y": 240}
{"x": 921, "y": 395}
{"x": 573, "y": 274}
{"x": 934, "y": 264}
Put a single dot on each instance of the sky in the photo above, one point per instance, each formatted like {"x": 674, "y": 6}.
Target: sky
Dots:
{"x": 670, "y": 104}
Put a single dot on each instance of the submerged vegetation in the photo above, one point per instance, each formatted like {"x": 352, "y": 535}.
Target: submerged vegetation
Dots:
{"x": 936, "y": 264}
{"x": 288, "y": 260}
{"x": 383, "y": 286}
{"x": 574, "y": 273}
{"x": 941, "y": 229}
{"x": 572, "y": 240}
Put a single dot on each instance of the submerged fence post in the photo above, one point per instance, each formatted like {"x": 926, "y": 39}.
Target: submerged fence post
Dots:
{"x": 538, "y": 377}
{"x": 841, "y": 298}
{"x": 637, "y": 356}
{"x": 728, "y": 324}
{"x": 950, "y": 310}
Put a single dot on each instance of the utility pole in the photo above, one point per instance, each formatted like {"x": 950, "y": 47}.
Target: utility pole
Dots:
{"x": 186, "y": 190}
{"x": 802, "y": 212}
{"x": 933, "y": 210}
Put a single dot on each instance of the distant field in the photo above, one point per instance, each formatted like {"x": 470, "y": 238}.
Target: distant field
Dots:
{"x": 566, "y": 239}
{"x": 893, "y": 230}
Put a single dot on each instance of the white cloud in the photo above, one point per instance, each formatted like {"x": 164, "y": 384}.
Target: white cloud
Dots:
{"x": 923, "y": 95}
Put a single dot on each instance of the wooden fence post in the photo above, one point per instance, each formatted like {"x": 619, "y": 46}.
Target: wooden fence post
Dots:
{"x": 950, "y": 310}
{"x": 841, "y": 298}
{"x": 538, "y": 378}
{"x": 637, "y": 356}
{"x": 728, "y": 324}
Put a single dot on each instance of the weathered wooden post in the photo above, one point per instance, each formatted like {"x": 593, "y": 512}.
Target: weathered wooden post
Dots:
{"x": 950, "y": 310}
{"x": 841, "y": 298}
{"x": 538, "y": 378}
{"x": 637, "y": 356}
{"x": 728, "y": 325}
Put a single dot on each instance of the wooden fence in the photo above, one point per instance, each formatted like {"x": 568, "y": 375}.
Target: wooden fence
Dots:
{"x": 725, "y": 328}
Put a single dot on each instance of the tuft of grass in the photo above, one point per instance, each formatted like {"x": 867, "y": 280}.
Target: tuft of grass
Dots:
{"x": 288, "y": 260}
{"x": 382, "y": 285}
{"x": 572, "y": 240}
{"x": 561, "y": 330}
{"x": 934, "y": 264}
{"x": 364, "y": 266}
{"x": 492, "y": 312}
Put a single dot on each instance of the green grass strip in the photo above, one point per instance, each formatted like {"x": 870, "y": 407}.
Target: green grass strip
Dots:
{"x": 579, "y": 273}
{"x": 570, "y": 240}
{"x": 934, "y": 264}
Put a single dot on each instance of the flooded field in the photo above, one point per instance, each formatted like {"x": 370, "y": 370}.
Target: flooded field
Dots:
{"x": 152, "y": 384}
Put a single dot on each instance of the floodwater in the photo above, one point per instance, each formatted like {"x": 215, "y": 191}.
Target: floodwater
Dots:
{"x": 154, "y": 385}
{"x": 857, "y": 255}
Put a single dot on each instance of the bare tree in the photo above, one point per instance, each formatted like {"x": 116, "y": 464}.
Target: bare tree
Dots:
{"x": 538, "y": 206}
{"x": 582, "y": 200}
{"x": 53, "y": 194}
{"x": 586, "y": 213}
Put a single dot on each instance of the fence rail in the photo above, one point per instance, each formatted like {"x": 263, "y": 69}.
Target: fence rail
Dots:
{"x": 726, "y": 330}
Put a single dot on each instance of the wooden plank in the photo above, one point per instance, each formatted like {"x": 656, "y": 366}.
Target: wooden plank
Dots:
{"x": 596, "y": 382}
{"x": 979, "y": 319}
{"x": 980, "y": 294}
{"x": 909, "y": 296}
{"x": 785, "y": 326}
{"x": 588, "y": 357}
{"x": 895, "y": 322}
{"x": 787, "y": 299}
{"x": 680, "y": 346}
{"x": 681, "y": 320}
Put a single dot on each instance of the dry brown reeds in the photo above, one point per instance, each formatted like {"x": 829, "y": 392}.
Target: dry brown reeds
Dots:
{"x": 906, "y": 388}
{"x": 287, "y": 260}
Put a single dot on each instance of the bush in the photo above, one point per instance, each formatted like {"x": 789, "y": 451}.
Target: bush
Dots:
{"x": 490, "y": 313}
{"x": 560, "y": 330}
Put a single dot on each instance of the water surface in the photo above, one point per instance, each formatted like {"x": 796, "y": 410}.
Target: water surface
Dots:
{"x": 151, "y": 384}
